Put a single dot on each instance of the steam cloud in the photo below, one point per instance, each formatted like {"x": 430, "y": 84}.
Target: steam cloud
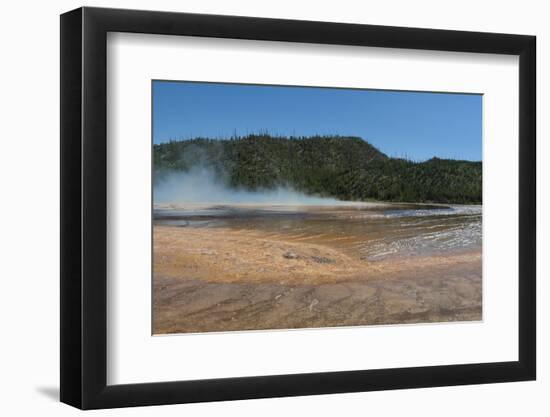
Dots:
{"x": 201, "y": 185}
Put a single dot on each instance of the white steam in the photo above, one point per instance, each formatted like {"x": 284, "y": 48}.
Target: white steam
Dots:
{"x": 200, "y": 185}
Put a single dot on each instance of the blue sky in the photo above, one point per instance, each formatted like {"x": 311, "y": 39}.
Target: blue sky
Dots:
{"x": 405, "y": 124}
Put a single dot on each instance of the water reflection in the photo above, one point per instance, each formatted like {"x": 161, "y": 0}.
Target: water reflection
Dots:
{"x": 370, "y": 231}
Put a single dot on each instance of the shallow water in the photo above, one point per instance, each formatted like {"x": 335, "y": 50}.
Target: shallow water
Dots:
{"x": 368, "y": 231}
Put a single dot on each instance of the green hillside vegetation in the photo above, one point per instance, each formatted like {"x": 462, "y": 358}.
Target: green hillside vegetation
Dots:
{"x": 347, "y": 168}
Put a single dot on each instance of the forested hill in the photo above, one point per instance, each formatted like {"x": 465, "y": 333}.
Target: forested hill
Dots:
{"x": 347, "y": 168}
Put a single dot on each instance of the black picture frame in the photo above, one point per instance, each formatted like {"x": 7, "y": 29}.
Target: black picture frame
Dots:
{"x": 84, "y": 208}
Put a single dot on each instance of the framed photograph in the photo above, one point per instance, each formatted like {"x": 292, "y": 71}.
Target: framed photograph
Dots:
{"x": 257, "y": 208}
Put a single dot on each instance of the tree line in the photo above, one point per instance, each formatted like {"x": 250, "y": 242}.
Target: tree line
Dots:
{"x": 347, "y": 168}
